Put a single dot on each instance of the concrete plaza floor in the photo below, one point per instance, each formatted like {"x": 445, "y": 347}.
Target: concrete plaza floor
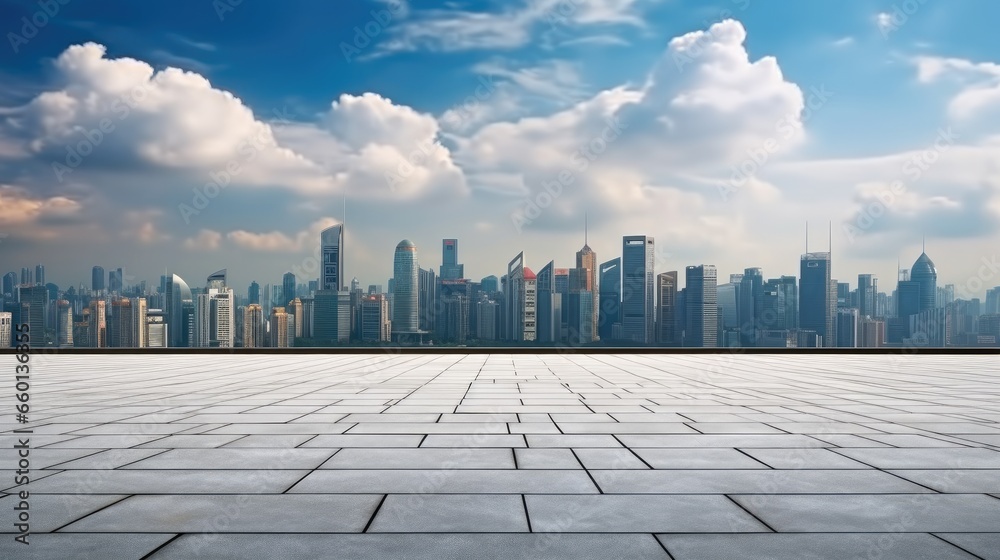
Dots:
{"x": 508, "y": 456}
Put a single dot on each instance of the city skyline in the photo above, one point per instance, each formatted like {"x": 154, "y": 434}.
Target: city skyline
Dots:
{"x": 134, "y": 144}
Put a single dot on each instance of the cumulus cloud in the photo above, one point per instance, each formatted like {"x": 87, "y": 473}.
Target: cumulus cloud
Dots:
{"x": 979, "y": 83}
{"x": 121, "y": 114}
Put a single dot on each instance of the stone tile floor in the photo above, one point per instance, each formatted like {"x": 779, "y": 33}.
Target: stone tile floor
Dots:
{"x": 509, "y": 456}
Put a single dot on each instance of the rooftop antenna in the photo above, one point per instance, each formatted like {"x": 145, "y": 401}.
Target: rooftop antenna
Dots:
{"x": 585, "y": 228}
{"x": 923, "y": 244}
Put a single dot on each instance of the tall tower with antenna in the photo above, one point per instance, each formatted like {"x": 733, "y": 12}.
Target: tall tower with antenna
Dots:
{"x": 586, "y": 262}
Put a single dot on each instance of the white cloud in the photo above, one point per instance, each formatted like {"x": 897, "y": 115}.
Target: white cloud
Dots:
{"x": 276, "y": 241}
{"x": 979, "y": 83}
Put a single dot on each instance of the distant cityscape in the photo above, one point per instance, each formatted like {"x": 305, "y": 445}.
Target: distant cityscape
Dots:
{"x": 621, "y": 302}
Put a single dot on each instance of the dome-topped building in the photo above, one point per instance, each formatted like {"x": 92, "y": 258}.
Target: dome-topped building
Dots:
{"x": 924, "y": 273}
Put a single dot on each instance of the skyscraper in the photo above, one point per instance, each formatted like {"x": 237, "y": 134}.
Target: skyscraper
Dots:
{"x": 751, "y": 306}
{"x": 530, "y": 305}
{"x": 490, "y": 285}
{"x": 253, "y": 326}
{"x": 548, "y": 306}
{"x": 638, "y": 257}
{"x": 450, "y": 269}
{"x": 253, "y": 293}
{"x": 279, "y": 328}
{"x": 375, "y": 323}
{"x": 97, "y": 326}
{"x": 39, "y": 274}
{"x": 513, "y": 293}
{"x": 214, "y": 318}
{"x": 331, "y": 318}
{"x": 666, "y": 307}
{"x": 287, "y": 289}
{"x": 701, "y": 306}
{"x": 405, "y": 305}
{"x": 817, "y": 297}
{"x": 216, "y": 280}
{"x": 427, "y": 299}
{"x": 97, "y": 279}
{"x": 180, "y": 312}
{"x": 586, "y": 259}
{"x": 34, "y": 301}
{"x": 610, "y": 304}
{"x": 9, "y": 283}
{"x": 580, "y": 313}
{"x": 924, "y": 273}
{"x": 867, "y": 292}
{"x": 332, "y": 251}
{"x": 64, "y": 325}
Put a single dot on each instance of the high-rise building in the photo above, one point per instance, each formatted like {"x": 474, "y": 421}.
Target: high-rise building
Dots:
{"x": 751, "y": 306}
{"x": 548, "y": 306}
{"x": 7, "y": 329}
{"x": 180, "y": 312}
{"x": 27, "y": 276}
{"x": 116, "y": 281}
{"x": 332, "y": 250}
{"x": 287, "y": 289}
{"x": 867, "y": 293}
{"x": 64, "y": 324}
{"x": 9, "y": 284}
{"x": 848, "y": 323}
{"x": 427, "y": 299}
{"x": 843, "y": 295}
{"x": 586, "y": 260}
{"x": 253, "y": 326}
{"x": 513, "y": 293}
{"x": 817, "y": 297}
{"x": 924, "y": 273}
{"x": 297, "y": 318}
{"x": 991, "y": 304}
{"x": 487, "y": 317}
{"x": 871, "y": 332}
{"x": 126, "y": 327}
{"x": 610, "y": 302}
{"x": 216, "y": 280}
{"x": 701, "y": 306}
{"x": 97, "y": 325}
{"x": 34, "y": 301}
{"x": 375, "y": 323}
{"x": 638, "y": 289}
{"x": 253, "y": 293}
{"x": 450, "y": 268}
{"x": 39, "y": 274}
{"x": 530, "y": 305}
{"x": 728, "y": 304}
{"x": 406, "y": 281}
{"x": 666, "y": 308}
{"x": 156, "y": 328}
{"x": 451, "y": 309}
{"x": 490, "y": 285}
{"x": 279, "y": 328}
{"x": 580, "y": 316}
{"x": 331, "y": 318}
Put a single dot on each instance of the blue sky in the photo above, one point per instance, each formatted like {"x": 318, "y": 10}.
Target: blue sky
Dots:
{"x": 896, "y": 75}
